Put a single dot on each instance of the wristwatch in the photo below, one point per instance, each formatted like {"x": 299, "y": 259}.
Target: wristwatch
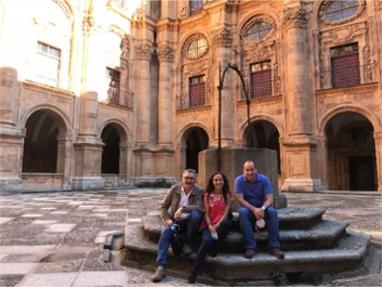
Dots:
{"x": 263, "y": 208}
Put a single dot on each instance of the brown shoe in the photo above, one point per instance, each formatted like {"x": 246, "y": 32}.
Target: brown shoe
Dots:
{"x": 277, "y": 253}
{"x": 249, "y": 253}
{"x": 159, "y": 274}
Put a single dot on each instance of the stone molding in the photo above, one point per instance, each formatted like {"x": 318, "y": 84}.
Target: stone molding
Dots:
{"x": 251, "y": 22}
{"x": 295, "y": 17}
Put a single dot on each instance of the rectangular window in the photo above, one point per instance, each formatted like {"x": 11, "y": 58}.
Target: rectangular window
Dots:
{"x": 197, "y": 91}
{"x": 48, "y": 64}
{"x": 261, "y": 80}
{"x": 195, "y": 6}
{"x": 113, "y": 91}
{"x": 345, "y": 66}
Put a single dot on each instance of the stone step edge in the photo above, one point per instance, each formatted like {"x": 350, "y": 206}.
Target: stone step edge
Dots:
{"x": 315, "y": 233}
{"x": 288, "y": 214}
{"x": 303, "y": 255}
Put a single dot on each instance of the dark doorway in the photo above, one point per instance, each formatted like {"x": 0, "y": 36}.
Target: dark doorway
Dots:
{"x": 351, "y": 161}
{"x": 361, "y": 172}
{"x": 264, "y": 134}
{"x": 110, "y": 152}
{"x": 40, "y": 145}
{"x": 196, "y": 141}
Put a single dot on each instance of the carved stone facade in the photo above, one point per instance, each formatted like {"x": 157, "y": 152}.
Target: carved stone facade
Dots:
{"x": 326, "y": 136}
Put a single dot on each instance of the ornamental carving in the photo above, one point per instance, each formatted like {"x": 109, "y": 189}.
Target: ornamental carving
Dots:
{"x": 260, "y": 51}
{"x": 223, "y": 38}
{"x": 295, "y": 17}
{"x": 143, "y": 51}
{"x": 166, "y": 53}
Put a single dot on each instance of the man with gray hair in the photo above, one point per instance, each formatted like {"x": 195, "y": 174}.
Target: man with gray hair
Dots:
{"x": 181, "y": 213}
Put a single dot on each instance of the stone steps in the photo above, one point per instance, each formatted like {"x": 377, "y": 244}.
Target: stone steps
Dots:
{"x": 324, "y": 234}
{"x": 346, "y": 255}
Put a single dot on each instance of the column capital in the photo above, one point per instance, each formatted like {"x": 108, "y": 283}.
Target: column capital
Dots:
{"x": 166, "y": 53}
{"x": 143, "y": 51}
{"x": 222, "y": 38}
{"x": 295, "y": 17}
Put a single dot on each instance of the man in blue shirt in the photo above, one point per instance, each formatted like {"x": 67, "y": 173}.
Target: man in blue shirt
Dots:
{"x": 254, "y": 193}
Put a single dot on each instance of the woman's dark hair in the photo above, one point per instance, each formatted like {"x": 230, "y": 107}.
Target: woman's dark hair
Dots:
{"x": 210, "y": 185}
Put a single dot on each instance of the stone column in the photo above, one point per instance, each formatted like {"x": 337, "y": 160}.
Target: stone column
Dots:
{"x": 299, "y": 145}
{"x": 165, "y": 154}
{"x": 145, "y": 166}
{"x": 143, "y": 96}
{"x": 378, "y": 157}
{"x": 222, "y": 40}
{"x": 11, "y": 137}
{"x": 88, "y": 147}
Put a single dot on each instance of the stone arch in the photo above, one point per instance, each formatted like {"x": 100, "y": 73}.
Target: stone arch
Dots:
{"x": 351, "y": 162}
{"x": 114, "y": 153}
{"x": 66, "y": 7}
{"x": 193, "y": 140}
{"x": 125, "y": 131}
{"x": 44, "y": 144}
{"x": 376, "y": 123}
{"x": 56, "y": 112}
{"x": 253, "y": 119}
{"x": 267, "y": 12}
{"x": 263, "y": 134}
{"x": 186, "y": 37}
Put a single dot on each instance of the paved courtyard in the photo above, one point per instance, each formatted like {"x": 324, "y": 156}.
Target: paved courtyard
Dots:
{"x": 56, "y": 239}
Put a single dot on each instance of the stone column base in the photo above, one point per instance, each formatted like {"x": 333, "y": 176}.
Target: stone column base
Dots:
{"x": 154, "y": 181}
{"x": 10, "y": 183}
{"x": 87, "y": 183}
{"x": 302, "y": 185}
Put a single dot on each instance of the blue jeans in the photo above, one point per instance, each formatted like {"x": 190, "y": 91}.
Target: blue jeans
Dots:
{"x": 247, "y": 222}
{"x": 208, "y": 242}
{"x": 188, "y": 227}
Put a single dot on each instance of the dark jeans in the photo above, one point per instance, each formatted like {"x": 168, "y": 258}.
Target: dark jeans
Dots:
{"x": 209, "y": 243}
{"x": 188, "y": 228}
{"x": 247, "y": 222}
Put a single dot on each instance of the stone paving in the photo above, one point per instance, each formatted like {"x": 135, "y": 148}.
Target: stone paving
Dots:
{"x": 56, "y": 239}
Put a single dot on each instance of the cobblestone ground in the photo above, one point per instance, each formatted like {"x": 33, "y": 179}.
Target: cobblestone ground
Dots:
{"x": 55, "y": 239}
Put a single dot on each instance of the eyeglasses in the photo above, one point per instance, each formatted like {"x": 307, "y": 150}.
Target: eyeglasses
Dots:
{"x": 189, "y": 177}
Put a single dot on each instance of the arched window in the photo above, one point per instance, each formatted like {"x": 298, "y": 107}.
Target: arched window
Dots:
{"x": 197, "y": 47}
{"x": 258, "y": 31}
{"x": 334, "y": 11}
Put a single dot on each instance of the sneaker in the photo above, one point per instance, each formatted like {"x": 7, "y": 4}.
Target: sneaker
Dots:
{"x": 249, "y": 253}
{"x": 277, "y": 253}
{"x": 187, "y": 250}
{"x": 159, "y": 274}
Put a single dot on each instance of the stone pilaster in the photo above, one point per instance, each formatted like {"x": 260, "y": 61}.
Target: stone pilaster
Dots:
{"x": 88, "y": 147}
{"x": 299, "y": 145}
{"x": 165, "y": 154}
{"x": 378, "y": 156}
{"x": 11, "y": 137}
{"x": 143, "y": 94}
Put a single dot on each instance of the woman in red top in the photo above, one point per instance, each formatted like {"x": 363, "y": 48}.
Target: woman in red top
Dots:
{"x": 217, "y": 219}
